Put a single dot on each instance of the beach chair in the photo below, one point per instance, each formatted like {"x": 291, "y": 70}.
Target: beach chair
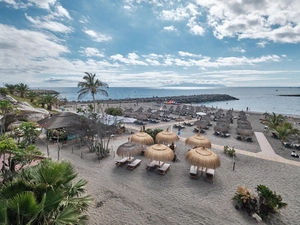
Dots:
{"x": 134, "y": 164}
{"x": 121, "y": 162}
{"x": 287, "y": 144}
{"x": 249, "y": 139}
{"x": 210, "y": 175}
{"x": 163, "y": 169}
{"x": 194, "y": 172}
{"x": 153, "y": 165}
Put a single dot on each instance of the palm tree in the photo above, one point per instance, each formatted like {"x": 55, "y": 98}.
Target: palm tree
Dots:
{"x": 49, "y": 100}
{"x": 44, "y": 194}
{"x": 285, "y": 129}
{"x": 22, "y": 89}
{"x": 274, "y": 121}
{"x": 92, "y": 85}
{"x": 32, "y": 95}
{"x": 11, "y": 88}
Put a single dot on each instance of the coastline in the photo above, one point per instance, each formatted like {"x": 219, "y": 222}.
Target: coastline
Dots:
{"x": 144, "y": 197}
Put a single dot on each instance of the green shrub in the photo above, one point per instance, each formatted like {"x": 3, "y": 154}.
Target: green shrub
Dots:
{"x": 114, "y": 111}
{"x": 229, "y": 151}
{"x": 153, "y": 133}
{"x": 265, "y": 203}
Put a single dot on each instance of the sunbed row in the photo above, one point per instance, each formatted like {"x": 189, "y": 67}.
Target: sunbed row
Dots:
{"x": 163, "y": 167}
{"x": 207, "y": 172}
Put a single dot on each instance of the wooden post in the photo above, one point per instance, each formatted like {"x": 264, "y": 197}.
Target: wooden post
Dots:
{"x": 233, "y": 163}
{"x": 72, "y": 149}
{"x": 80, "y": 154}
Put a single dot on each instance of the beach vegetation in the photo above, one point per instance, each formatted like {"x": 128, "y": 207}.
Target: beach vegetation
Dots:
{"x": 45, "y": 194}
{"x": 30, "y": 132}
{"x": 5, "y": 109}
{"x": 285, "y": 129}
{"x": 94, "y": 134}
{"x": 91, "y": 85}
{"x": 32, "y": 95}
{"x": 274, "y": 120}
{"x": 281, "y": 127}
{"x": 114, "y": 111}
{"x": 229, "y": 151}
{"x": 18, "y": 156}
{"x": 11, "y": 88}
{"x": 48, "y": 100}
{"x": 3, "y": 91}
{"x": 22, "y": 89}
{"x": 153, "y": 132}
{"x": 265, "y": 203}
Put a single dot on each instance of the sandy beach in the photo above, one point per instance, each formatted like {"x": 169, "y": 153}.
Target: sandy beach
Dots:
{"x": 144, "y": 197}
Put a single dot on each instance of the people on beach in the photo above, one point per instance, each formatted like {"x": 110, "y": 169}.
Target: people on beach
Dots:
{"x": 294, "y": 154}
{"x": 172, "y": 146}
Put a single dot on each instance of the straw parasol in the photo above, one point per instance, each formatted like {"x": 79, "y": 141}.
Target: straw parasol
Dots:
{"x": 159, "y": 152}
{"x": 142, "y": 138}
{"x": 203, "y": 157}
{"x": 128, "y": 149}
{"x": 198, "y": 140}
{"x": 166, "y": 136}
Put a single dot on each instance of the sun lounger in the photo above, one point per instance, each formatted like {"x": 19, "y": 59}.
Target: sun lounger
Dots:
{"x": 134, "y": 164}
{"x": 152, "y": 166}
{"x": 210, "y": 175}
{"x": 193, "y": 172}
{"x": 121, "y": 162}
{"x": 163, "y": 169}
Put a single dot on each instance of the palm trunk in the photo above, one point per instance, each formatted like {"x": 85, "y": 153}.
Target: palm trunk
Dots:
{"x": 94, "y": 102}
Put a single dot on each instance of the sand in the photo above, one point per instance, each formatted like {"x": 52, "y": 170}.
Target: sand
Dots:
{"x": 144, "y": 197}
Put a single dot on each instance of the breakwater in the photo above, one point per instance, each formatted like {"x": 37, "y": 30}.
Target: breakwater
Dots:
{"x": 184, "y": 99}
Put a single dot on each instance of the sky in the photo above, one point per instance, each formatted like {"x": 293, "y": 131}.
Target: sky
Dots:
{"x": 150, "y": 43}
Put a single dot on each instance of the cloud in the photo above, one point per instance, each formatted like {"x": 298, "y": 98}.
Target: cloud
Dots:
{"x": 89, "y": 52}
{"x": 273, "y": 20}
{"x": 239, "y": 49}
{"x": 96, "y": 36}
{"x": 45, "y": 4}
{"x": 131, "y": 59}
{"x": 188, "y": 54}
{"x": 170, "y": 28}
{"x": 179, "y": 13}
{"x": 261, "y": 44}
{"x": 45, "y": 23}
{"x": 62, "y": 12}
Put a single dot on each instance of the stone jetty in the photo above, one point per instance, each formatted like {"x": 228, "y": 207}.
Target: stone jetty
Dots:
{"x": 184, "y": 99}
{"x": 43, "y": 92}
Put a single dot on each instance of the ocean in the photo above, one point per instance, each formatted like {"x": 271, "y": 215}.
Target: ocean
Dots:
{"x": 257, "y": 99}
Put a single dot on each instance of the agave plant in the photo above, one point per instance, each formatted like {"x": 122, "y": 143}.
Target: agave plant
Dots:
{"x": 246, "y": 200}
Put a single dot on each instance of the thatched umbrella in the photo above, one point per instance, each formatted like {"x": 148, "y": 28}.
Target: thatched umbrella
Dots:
{"x": 222, "y": 128}
{"x": 142, "y": 138}
{"x": 159, "y": 152}
{"x": 203, "y": 157}
{"x": 128, "y": 149}
{"x": 141, "y": 116}
{"x": 179, "y": 119}
{"x": 245, "y": 131}
{"x": 166, "y": 136}
{"x": 198, "y": 140}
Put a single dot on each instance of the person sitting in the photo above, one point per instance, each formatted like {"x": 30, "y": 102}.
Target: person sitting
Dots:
{"x": 172, "y": 146}
{"x": 293, "y": 154}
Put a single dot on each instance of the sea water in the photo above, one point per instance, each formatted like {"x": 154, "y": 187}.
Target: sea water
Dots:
{"x": 257, "y": 99}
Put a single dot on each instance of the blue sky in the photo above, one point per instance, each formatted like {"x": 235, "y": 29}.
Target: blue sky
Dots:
{"x": 150, "y": 43}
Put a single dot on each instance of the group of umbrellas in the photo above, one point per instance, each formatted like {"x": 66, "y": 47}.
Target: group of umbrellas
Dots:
{"x": 244, "y": 127}
{"x": 200, "y": 155}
